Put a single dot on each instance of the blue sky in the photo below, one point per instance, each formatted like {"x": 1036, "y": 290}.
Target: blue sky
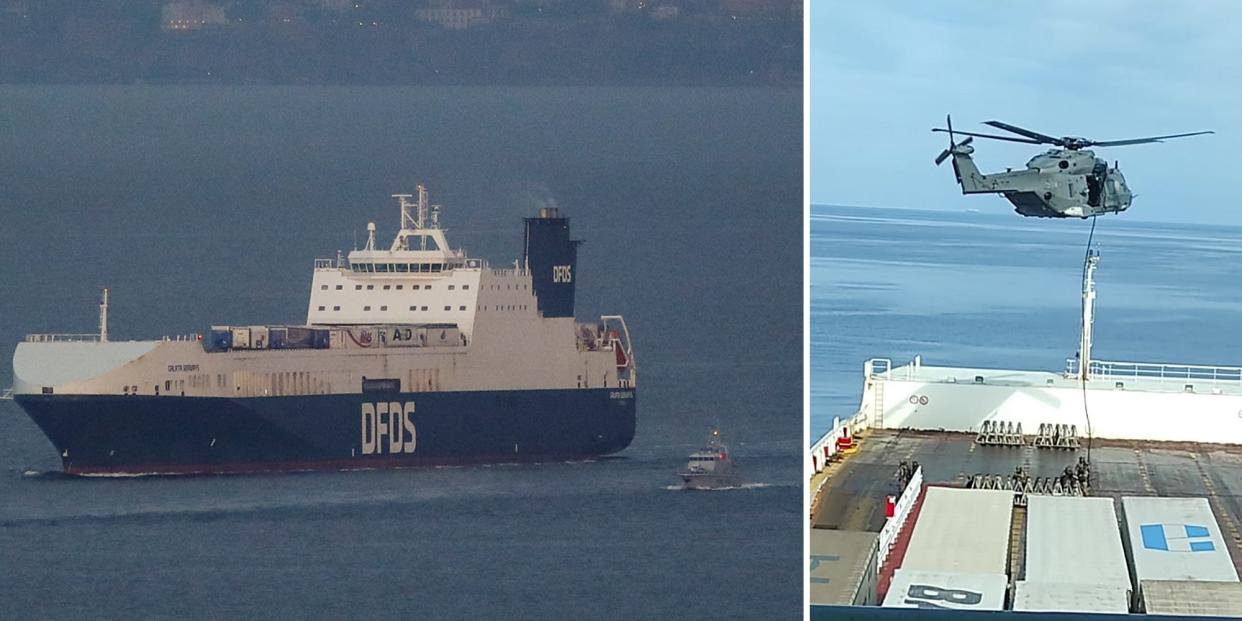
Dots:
{"x": 883, "y": 73}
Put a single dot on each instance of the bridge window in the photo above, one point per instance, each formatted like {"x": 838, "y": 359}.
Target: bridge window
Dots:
{"x": 403, "y": 267}
{"x": 435, "y": 267}
{"x": 381, "y": 267}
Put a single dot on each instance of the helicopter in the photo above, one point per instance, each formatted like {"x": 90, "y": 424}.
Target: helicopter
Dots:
{"x": 1064, "y": 182}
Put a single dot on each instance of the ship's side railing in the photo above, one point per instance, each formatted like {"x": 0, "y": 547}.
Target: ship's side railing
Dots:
{"x": 901, "y": 513}
{"x": 624, "y": 343}
{"x": 325, "y": 264}
{"x": 825, "y": 448}
{"x": 1106, "y": 369}
{"x": 61, "y": 338}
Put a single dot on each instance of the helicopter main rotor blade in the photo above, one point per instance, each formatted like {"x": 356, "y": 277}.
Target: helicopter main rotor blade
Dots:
{"x": 1042, "y": 138}
{"x": 1118, "y": 143}
{"x": 977, "y": 135}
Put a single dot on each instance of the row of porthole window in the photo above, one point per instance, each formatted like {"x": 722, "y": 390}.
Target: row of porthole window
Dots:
{"x": 385, "y": 308}
{"x": 399, "y": 287}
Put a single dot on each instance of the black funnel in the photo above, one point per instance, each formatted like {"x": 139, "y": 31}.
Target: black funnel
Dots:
{"x": 552, "y": 258}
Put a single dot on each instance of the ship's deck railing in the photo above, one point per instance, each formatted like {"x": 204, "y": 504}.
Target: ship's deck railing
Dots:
{"x": 7, "y": 395}
{"x": 183, "y": 337}
{"x": 61, "y": 338}
{"x": 1106, "y": 369}
{"x": 826, "y": 446}
{"x": 879, "y": 367}
{"x": 326, "y": 264}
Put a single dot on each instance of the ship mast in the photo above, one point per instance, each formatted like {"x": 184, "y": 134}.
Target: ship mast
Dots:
{"x": 1088, "y": 314}
{"x": 103, "y": 317}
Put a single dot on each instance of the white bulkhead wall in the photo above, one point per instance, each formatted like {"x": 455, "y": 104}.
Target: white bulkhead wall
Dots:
{"x": 339, "y": 296}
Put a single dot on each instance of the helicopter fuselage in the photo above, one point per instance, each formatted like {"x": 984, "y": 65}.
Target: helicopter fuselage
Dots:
{"x": 1060, "y": 183}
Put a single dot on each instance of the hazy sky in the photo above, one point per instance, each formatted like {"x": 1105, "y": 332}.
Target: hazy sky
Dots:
{"x": 884, "y": 73}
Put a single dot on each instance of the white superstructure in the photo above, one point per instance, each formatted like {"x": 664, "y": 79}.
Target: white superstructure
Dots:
{"x": 418, "y": 311}
{"x": 1096, "y": 398}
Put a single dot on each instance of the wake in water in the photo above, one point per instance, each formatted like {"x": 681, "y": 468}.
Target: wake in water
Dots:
{"x": 680, "y": 488}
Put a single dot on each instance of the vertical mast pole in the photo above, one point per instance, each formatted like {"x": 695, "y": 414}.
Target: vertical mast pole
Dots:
{"x": 1088, "y": 315}
{"x": 103, "y": 317}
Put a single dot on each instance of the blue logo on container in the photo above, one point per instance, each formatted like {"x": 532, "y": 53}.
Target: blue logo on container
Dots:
{"x": 1176, "y": 537}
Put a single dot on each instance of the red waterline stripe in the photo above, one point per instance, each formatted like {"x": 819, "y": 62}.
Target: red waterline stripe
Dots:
{"x": 899, "y": 547}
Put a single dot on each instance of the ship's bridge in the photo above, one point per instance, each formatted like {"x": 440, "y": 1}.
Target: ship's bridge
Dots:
{"x": 419, "y": 279}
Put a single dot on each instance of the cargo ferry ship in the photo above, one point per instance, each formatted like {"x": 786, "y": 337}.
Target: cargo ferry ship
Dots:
{"x": 411, "y": 355}
{"x": 1108, "y": 487}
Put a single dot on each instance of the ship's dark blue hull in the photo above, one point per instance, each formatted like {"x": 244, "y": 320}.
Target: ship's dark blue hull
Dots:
{"x": 113, "y": 434}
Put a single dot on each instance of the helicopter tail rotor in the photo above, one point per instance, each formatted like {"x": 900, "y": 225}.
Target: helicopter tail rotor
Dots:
{"x": 953, "y": 146}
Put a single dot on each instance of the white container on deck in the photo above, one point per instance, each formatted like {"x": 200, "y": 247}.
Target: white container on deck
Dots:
{"x": 1031, "y": 596}
{"x": 1192, "y": 598}
{"x": 843, "y": 567}
{"x": 241, "y": 338}
{"x": 940, "y": 590}
{"x": 1074, "y": 539}
{"x": 964, "y": 531}
{"x": 1175, "y": 539}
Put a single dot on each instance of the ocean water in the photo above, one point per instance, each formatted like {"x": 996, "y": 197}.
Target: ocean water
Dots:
{"x": 201, "y": 205}
{"x": 993, "y": 289}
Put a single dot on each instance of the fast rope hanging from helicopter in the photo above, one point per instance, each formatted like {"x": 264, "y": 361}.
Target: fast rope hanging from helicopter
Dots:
{"x": 1082, "y": 358}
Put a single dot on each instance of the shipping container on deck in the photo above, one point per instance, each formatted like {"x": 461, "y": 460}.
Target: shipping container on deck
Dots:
{"x": 220, "y": 338}
{"x": 935, "y": 589}
{"x": 277, "y": 337}
{"x": 843, "y": 567}
{"x": 1031, "y": 596}
{"x": 1175, "y": 539}
{"x": 961, "y": 531}
{"x": 258, "y": 337}
{"x": 299, "y": 337}
{"x": 321, "y": 338}
{"x": 1074, "y": 539}
{"x": 241, "y": 338}
{"x": 1197, "y": 598}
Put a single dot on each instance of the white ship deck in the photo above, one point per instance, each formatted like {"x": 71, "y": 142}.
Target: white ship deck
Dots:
{"x": 1134, "y": 376}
